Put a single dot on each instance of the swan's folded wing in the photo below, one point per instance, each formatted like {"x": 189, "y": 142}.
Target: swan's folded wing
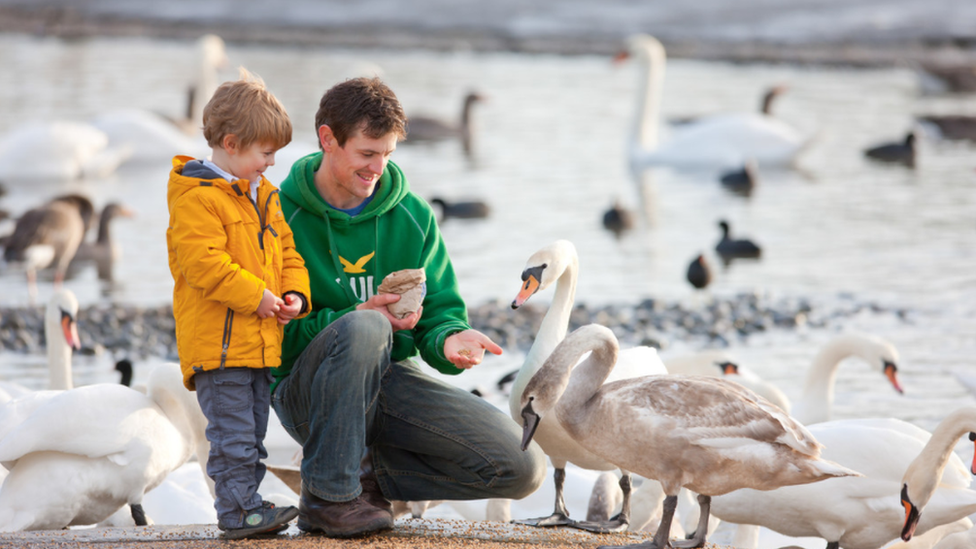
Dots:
{"x": 93, "y": 421}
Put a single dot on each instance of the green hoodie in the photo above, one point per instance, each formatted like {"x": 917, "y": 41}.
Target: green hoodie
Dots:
{"x": 397, "y": 230}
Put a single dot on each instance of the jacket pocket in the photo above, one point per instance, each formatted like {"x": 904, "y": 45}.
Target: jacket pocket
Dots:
{"x": 225, "y": 340}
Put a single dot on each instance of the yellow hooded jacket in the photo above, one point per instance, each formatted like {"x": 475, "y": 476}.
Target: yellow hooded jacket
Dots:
{"x": 224, "y": 250}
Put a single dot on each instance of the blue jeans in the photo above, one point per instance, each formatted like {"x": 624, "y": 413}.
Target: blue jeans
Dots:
{"x": 236, "y": 404}
{"x": 429, "y": 440}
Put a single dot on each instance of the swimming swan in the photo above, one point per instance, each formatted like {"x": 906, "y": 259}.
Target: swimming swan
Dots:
{"x": 559, "y": 263}
{"x": 721, "y": 141}
{"x": 705, "y": 434}
{"x": 865, "y": 513}
{"x": 78, "y": 456}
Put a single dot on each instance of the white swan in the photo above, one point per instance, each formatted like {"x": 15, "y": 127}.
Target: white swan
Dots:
{"x": 61, "y": 335}
{"x": 719, "y": 141}
{"x": 705, "y": 434}
{"x": 59, "y": 151}
{"x": 79, "y": 455}
{"x": 965, "y": 539}
{"x": 817, "y": 399}
{"x": 559, "y": 263}
{"x": 153, "y": 137}
{"x": 864, "y": 513}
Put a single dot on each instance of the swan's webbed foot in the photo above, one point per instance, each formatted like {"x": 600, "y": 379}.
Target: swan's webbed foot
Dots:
{"x": 616, "y": 524}
{"x": 644, "y": 545}
{"x": 555, "y": 519}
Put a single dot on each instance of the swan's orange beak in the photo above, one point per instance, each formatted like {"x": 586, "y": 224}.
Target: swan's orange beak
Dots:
{"x": 529, "y": 287}
{"x": 531, "y": 280}
{"x": 621, "y": 56}
{"x": 891, "y": 372}
{"x": 911, "y": 515}
{"x": 728, "y": 368}
{"x": 70, "y": 329}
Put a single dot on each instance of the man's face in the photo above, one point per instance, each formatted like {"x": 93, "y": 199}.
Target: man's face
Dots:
{"x": 356, "y": 167}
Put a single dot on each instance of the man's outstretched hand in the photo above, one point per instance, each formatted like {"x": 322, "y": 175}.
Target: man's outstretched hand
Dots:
{"x": 466, "y": 349}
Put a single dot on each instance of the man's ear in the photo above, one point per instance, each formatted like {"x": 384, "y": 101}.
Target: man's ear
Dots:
{"x": 230, "y": 143}
{"x": 327, "y": 139}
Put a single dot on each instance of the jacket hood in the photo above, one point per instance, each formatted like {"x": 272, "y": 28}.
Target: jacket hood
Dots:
{"x": 188, "y": 174}
{"x": 299, "y": 186}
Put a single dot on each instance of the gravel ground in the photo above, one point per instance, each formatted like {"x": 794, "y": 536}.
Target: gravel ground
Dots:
{"x": 408, "y": 534}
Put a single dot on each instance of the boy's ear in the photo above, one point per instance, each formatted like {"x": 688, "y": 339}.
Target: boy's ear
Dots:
{"x": 327, "y": 139}
{"x": 230, "y": 143}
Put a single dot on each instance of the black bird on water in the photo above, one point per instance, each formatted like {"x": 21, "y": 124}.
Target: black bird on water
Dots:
{"x": 895, "y": 153}
{"x": 730, "y": 248}
{"x": 741, "y": 181}
{"x": 699, "y": 273}
{"x": 618, "y": 219}
{"x": 472, "y": 209}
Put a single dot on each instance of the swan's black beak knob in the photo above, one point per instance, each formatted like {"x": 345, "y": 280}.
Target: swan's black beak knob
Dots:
{"x": 531, "y": 421}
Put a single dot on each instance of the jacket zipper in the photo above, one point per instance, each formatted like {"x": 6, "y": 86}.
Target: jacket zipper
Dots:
{"x": 225, "y": 342}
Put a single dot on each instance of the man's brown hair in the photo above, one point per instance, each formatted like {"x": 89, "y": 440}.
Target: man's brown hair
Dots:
{"x": 361, "y": 103}
{"x": 246, "y": 109}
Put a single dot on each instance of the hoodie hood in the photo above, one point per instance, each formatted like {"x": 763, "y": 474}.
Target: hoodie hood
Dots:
{"x": 299, "y": 186}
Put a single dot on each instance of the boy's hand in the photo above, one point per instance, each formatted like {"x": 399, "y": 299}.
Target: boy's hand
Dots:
{"x": 289, "y": 309}
{"x": 379, "y": 302}
{"x": 467, "y": 348}
{"x": 270, "y": 304}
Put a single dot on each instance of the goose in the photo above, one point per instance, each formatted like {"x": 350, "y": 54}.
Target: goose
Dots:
{"x": 720, "y": 141}
{"x": 470, "y": 209}
{"x": 59, "y": 150}
{"x": 79, "y": 455}
{"x": 705, "y": 434}
{"x": 104, "y": 251}
{"x": 48, "y": 235}
{"x": 699, "y": 273}
{"x": 61, "y": 337}
{"x": 895, "y": 153}
{"x": 730, "y": 248}
{"x": 817, "y": 398}
{"x": 865, "y": 513}
{"x": 618, "y": 219}
{"x": 425, "y": 128}
{"x": 559, "y": 263}
{"x": 153, "y": 137}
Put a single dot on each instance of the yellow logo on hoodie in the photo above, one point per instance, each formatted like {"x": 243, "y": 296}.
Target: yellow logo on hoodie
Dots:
{"x": 356, "y": 268}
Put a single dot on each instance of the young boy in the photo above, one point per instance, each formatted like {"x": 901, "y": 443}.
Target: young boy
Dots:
{"x": 238, "y": 281}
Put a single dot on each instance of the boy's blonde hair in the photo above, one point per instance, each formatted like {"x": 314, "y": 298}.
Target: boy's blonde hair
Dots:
{"x": 246, "y": 109}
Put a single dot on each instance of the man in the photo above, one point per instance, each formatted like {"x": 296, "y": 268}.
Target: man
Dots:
{"x": 346, "y": 383}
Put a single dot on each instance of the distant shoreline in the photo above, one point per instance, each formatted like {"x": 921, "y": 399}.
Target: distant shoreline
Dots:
{"x": 71, "y": 22}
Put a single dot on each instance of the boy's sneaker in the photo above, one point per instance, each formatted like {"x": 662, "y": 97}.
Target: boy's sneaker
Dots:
{"x": 264, "y": 520}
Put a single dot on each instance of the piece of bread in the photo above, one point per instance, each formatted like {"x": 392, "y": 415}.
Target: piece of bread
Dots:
{"x": 411, "y": 285}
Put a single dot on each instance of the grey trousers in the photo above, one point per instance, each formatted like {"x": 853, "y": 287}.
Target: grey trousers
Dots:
{"x": 236, "y": 403}
{"x": 429, "y": 440}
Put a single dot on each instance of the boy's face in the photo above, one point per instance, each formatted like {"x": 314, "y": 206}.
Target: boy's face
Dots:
{"x": 356, "y": 167}
{"x": 249, "y": 163}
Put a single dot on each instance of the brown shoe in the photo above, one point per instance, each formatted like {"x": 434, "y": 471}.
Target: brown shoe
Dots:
{"x": 344, "y": 519}
{"x": 371, "y": 486}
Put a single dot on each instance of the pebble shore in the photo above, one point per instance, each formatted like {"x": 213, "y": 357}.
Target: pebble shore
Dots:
{"x": 141, "y": 332}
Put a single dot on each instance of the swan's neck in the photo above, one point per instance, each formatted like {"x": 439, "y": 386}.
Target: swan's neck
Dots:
{"x": 551, "y": 332}
{"x": 651, "y": 77}
{"x": 203, "y": 89}
{"x": 58, "y": 358}
{"x": 818, "y": 390}
{"x": 925, "y": 472}
{"x": 178, "y": 409}
{"x": 586, "y": 379}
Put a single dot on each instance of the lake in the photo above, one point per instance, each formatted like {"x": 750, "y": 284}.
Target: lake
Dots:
{"x": 550, "y": 157}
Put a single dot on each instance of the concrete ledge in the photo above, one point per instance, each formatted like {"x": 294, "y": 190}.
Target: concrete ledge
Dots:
{"x": 408, "y": 533}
